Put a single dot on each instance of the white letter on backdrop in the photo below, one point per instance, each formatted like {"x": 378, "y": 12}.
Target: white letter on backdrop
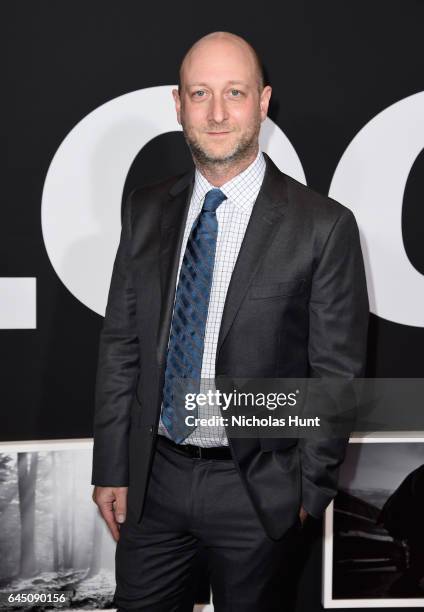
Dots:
{"x": 81, "y": 204}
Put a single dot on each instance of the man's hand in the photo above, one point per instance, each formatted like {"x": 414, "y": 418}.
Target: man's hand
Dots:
{"x": 302, "y": 514}
{"x": 112, "y": 503}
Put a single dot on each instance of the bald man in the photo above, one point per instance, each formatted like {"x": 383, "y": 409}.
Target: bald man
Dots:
{"x": 232, "y": 270}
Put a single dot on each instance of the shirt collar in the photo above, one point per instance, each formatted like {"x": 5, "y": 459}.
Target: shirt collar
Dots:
{"x": 241, "y": 189}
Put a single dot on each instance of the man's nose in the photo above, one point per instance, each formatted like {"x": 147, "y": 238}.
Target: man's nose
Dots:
{"x": 218, "y": 110}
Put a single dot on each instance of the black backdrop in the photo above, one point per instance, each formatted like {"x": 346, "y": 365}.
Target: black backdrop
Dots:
{"x": 333, "y": 66}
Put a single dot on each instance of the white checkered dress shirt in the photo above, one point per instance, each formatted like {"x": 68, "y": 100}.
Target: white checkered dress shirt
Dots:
{"x": 233, "y": 216}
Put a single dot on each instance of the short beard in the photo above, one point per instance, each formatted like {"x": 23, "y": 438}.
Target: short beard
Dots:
{"x": 243, "y": 150}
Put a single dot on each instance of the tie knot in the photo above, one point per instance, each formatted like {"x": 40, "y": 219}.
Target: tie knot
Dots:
{"x": 213, "y": 199}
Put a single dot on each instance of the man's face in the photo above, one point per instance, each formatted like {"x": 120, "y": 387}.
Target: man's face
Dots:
{"x": 219, "y": 105}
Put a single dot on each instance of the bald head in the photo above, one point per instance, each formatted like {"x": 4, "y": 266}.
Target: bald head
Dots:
{"x": 224, "y": 45}
{"x": 221, "y": 103}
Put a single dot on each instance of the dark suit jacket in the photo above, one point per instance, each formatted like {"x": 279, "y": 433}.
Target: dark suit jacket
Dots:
{"x": 296, "y": 307}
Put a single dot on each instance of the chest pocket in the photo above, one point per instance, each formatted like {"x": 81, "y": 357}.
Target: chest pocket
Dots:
{"x": 268, "y": 290}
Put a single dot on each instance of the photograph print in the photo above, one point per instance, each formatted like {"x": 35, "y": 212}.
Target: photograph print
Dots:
{"x": 374, "y": 529}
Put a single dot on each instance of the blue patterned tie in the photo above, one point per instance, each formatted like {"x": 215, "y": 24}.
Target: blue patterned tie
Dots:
{"x": 185, "y": 350}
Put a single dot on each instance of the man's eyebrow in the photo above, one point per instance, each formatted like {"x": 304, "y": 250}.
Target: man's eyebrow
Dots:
{"x": 227, "y": 83}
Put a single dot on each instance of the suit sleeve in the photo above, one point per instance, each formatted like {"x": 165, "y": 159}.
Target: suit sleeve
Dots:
{"x": 117, "y": 370}
{"x": 338, "y": 325}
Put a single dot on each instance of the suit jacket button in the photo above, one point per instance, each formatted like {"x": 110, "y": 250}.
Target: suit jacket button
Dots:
{"x": 151, "y": 429}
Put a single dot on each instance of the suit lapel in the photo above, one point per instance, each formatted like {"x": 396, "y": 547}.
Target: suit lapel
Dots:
{"x": 264, "y": 222}
{"x": 173, "y": 220}
{"x": 267, "y": 214}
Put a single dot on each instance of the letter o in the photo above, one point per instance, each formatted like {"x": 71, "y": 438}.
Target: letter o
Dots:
{"x": 370, "y": 178}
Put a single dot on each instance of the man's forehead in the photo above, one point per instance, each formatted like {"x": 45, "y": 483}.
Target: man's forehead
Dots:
{"x": 211, "y": 69}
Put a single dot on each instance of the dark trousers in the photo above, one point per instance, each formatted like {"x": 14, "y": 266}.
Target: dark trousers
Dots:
{"x": 200, "y": 502}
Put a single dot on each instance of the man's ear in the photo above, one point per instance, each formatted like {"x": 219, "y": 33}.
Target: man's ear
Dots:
{"x": 177, "y": 101}
{"x": 264, "y": 101}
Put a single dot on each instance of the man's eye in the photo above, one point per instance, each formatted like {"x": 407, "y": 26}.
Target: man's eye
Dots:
{"x": 235, "y": 93}
{"x": 199, "y": 93}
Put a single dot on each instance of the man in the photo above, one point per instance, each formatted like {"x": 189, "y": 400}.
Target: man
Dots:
{"x": 232, "y": 270}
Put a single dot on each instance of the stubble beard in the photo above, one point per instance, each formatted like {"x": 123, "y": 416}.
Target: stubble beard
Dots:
{"x": 243, "y": 150}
